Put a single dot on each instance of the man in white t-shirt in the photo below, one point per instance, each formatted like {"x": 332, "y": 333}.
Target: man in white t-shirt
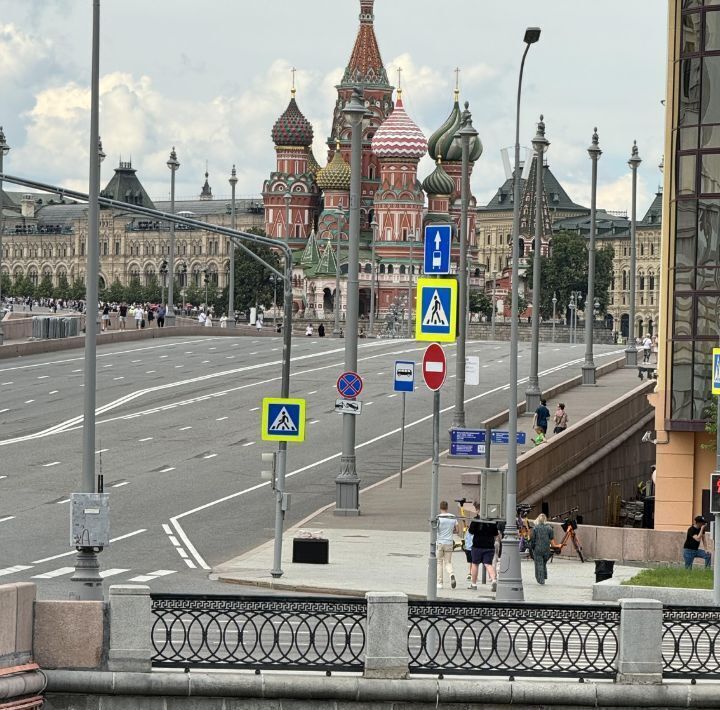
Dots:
{"x": 447, "y": 527}
{"x": 647, "y": 348}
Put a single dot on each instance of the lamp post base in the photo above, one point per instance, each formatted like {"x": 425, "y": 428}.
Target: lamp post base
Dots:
{"x": 88, "y": 582}
{"x": 347, "y": 489}
{"x": 588, "y": 374}
{"x": 532, "y": 399}
{"x": 509, "y": 578}
{"x": 458, "y": 421}
{"x": 630, "y": 357}
{"x": 169, "y": 320}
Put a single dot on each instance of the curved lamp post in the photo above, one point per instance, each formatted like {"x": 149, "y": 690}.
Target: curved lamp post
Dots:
{"x": 510, "y": 585}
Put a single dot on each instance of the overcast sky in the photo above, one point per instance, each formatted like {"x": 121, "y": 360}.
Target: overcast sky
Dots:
{"x": 211, "y": 77}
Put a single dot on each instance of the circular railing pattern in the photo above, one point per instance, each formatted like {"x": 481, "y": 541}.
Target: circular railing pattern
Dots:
{"x": 258, "y": 632}
{"x": 691, "y": 642}
{"x": 514, "y": 640}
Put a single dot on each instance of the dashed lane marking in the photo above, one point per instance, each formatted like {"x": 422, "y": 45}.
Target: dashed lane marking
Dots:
{"x": 101, "y": 451}
{"x": 209, "y": 456}
{"x": 167, "y": 470}
{"x": 147, "y": 438}
{"x": 185, "y": 428}
{"x": 250, "y": 443}
{"x": 14, "y": 568}
{"x": 52, "y": 463}
{"x": 73, "y": 552}
{"x": 63, "y": 501}
{"x": 152, "y": 575}
{"x": 121, "y": 484}
{"x": 77, "y": 371}
{"x": 112, "y": 572}
{"x": 6, "y": 383}
{"x": 29, "y": 401}
{"x": 390, "y": 396}
{"x": 313, "y": 392}
{"x": 5, "y": 519}
{"x": 221, "y": 419}
{"x": 255, "y": 409}
{"x": 118, "y": 378}
{"x": 54, "y": 392}
{"x": 43, "y": 377}
{"x": 54, "y": 573}
{"x": 151, "y": 372}
{"x": 314, "y": 421}
{"x": 2, "y": 411}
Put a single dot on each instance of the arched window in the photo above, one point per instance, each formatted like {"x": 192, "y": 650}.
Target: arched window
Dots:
{"x": 642, "y": 282}
{"x": 651, "y": 282}
{"x": 390, "y": 269}
{"x": 382, "y": 268}
{"x": 402, "y": 269}
{"x": 624, "y": 288}
{"x": 368, "y": 268}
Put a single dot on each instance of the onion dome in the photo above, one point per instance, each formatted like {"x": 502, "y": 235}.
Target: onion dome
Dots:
{"x": 399, "y": 136}
{"x": 438, "y": 182}
{"x": 335, "y": 175}
{"x": 312, "y": 163}
{"x": 441, "y": 142}
{"x": 292, "y": 128}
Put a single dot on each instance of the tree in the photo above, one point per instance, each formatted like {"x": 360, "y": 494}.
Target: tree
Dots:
{"x": 194, "y": 294}
{"x": 62, "y": 290}
{"x": 45, "y": 288}
{"x": 566, "y": 270}
{"x": 480, "y": 303}
{"x": 116, "y": 293}
{"x": 22, "y": 286}
{"x": 152, "y": 292}
{"x": 134, "y": 291}
{"x": 252, "y": 279}
{"x": 5, "y": 283}
{"x": 77, "y": 289}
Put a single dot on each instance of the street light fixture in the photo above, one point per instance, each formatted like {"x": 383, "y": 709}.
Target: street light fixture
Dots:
{"x": 532, "y": 393}
{"x": 173, "y": 164}
{"x": 554, "y": 302}
{"x": 631, "y": 349}
{"x": 231, "y": 272}
{"x": 274, "y": 281}
{"x": 374, "y": 226}
{"x": 347, "y": 483}
{"x": 588, "y": 368}
{"x": 466, "y": 133}
{"x": 4, "y": 150}
{"x": 510, "y": 586}
{"x": 337, "y": 299}
{"x": 163, "y": 273}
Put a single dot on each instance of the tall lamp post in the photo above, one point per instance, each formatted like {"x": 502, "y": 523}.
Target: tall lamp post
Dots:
{"x": 87, "y": 583}
{"x": 347, "y": 483}
{"x": 554, "y": 302}
{"x": 371, "y": 327}
{"x": 466, "y": 133}
{"x": 231, "y": 275}
{"x": 588, "y": 368}
{"x": 493, "y": 315}
{"x": 274, "y": 281}
{"x": 173, "y": 164}
{"x": 410, "y": 286}
{"x": 163, "y": 281}
{"x": 631, "y": 350}
{"x": 337, "y": 299}
{"x": 4, "y": 150}
{"x": 510, "y": 586}
{"x": 532, "y": 393}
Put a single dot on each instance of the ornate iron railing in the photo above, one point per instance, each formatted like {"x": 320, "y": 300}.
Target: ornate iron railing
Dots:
{"x": 513, "y": 640}
{"x": 691, "y": 642}
{"x": 258, "y": 632}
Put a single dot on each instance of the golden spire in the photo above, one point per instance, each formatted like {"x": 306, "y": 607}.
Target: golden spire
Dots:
{"x": 293, "y": 90}
{"x": 399, "y": 87}
{"x": 457, "y": 83}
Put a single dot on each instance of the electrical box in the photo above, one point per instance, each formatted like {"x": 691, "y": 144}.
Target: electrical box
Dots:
{"x": 492, "y": 493}
{"x": 90, "y": 520}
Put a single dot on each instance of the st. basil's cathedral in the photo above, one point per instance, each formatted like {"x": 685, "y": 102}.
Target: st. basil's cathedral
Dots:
{"x": 309, "y": 205}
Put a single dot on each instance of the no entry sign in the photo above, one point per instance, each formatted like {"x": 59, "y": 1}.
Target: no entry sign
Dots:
{"x": 434, "y": 367}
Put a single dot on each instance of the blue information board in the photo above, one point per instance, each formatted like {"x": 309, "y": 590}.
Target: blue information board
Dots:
{"x": 457, "y": 449}
{"x": 477, "y": 436}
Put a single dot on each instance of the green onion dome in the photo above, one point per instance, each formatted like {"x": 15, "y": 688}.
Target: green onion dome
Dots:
{"x": 438, "y": 182}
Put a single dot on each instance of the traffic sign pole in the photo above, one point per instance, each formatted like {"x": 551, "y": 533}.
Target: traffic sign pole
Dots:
{"x": 432, "y": 559}
{"x": 716, "y": 391}
{"x": 402, "y": 440}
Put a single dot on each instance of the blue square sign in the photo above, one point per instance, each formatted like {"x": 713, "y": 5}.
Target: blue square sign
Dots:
{"x": 438, "y": 240}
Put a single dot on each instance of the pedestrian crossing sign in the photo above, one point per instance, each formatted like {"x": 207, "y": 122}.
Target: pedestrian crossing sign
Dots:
{"x": 716, "y": 371}
{"x": 436, "y": 310}
{"x": 283, "y": 419}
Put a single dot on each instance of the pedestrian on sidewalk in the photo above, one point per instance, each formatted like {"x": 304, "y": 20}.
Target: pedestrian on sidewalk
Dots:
{"x": 561, "y": 419}
{"x": 122, "y": 317}
{"x": 647, "y": 348}
{"x": 447, "y": 526}
{"x": 541, "y": 546}
{"x": 483, "y": 548}
{"x": 542, "y": 414}
{"x": 139, "y": 316}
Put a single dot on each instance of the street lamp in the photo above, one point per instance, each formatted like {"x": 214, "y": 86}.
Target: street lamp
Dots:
{"x": 347, "y": 483}
{"x": 173, "y": 165}
{"x": 231, "y": 273}
{"x": 410, "y": 285}
{"x": 588, "y": 368}
{"x": 163, "y": 273}
{"x": 274, "y": 281}
{"x": 532, "y": 393}
{"x": 4, "y": 150}
{"x": 510, "y": 586}
{"x": 207, "y": 280}
{"x": 337, "y": 299}
{"x": 374, "y": 226}
{"x": 631, "y": 350}
{"x": 466, "y": 133}
{"x": 554, "y": 302}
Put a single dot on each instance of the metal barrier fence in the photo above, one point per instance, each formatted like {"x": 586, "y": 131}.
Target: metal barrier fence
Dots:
{"x": 691, "y": 642}
{"x": 260, "y": 633}
{"x": 513, "y": 640}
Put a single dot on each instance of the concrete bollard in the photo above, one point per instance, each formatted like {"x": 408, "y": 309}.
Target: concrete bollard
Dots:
{"x": 386, "y": 646}
{"x": 640, "y": 643}
{"x": 131, "y": 625}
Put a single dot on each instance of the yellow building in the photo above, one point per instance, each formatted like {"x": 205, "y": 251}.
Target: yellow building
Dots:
{"x": 690, "y": 273}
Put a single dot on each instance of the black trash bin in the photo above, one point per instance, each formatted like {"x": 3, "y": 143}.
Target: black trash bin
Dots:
{"x": 604, "y": 569}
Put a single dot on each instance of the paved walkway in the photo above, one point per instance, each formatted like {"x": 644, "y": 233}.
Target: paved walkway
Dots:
{"x": 386, "y": 548}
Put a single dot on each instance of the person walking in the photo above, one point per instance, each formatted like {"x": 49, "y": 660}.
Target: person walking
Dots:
{"x": 208, "y": 320}
{"x": 540, "y": 420}
{"x": 695, "y": 538}
{"x": 258, "y": 323}
{"x": 561, "y": 419}
{"x": 446, "y": 527}
{"x": 321, "y": 330}
{"x": 150, "y": 314}
{"x": 483, "y": 547}
{"x": 138, "y": 316}
{"x": 647, "y": 348}
{"x": 105, "y": 317}
{"x": 122, "y": 315}
{"x": 541, "y": 539}
{"x": 161, "y": 316}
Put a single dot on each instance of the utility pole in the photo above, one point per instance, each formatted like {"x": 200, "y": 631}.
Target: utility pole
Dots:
{"x": 371, "y": 327}
{"x": 631, "y": 349}
{"x": 173, "y": 164}
{"x": 231, "y": 276}
{"x": 4, "y": 150}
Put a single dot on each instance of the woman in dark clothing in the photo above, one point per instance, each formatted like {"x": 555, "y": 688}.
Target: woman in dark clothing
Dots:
{"x": 483, "y": 547}
{"x": 541, "y": 546}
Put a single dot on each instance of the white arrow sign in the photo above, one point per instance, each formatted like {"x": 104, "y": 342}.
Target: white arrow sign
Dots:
{"x": 438, "y": 240}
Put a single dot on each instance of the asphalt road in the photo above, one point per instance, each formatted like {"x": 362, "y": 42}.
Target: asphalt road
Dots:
{"x": 178, "y": 441}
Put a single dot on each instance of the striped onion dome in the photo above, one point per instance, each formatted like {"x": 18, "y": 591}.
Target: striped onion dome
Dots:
{"x": 335, "y": 175}
{"x": 399, "y": 136}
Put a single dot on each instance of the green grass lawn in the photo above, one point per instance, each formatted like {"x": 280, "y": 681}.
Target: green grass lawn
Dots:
{"x": 697, "y": 578}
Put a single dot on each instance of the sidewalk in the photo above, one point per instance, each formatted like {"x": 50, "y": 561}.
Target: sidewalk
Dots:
{"x": 386, "y": 548}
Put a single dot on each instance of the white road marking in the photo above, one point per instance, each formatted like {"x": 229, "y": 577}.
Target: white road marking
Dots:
{"x": 127, "y": 535}
{"x": 212, "y": 348}
{"x": 189, "y": 563}
{"x": 54, "y": 392}
{"x": 5, "y": 383}
{"x": 118, "y": 378}
{"x": 164, "y": 356}
{"x": 390, "y": 396}
{"x": 107, "y": 365}
{"x": 15, "y": 568}
{"x": 166, "y": 528}
{"x": 255, "y": 353}
{"x": 9, "y": 517}
{"x": 135, "y": 361}
{"x": 185, "y": 428}
{"x": 101, "y": 451}
{"x": 54, "y": 573}
{"x": 52, "y": 463}
{"x": 147, "y": 438}
{"x": 168, "y": 469}
{"x": 62, "y": 502}
{"x": 77, "y": 371}
{"x": 209, "y": 456}
{"x": 73, "y": 552}
{"x": 314, "y": 421}
{"x": 121, "y": 484}
{"x": 43, "y": 377}
{"x": 229, "y": 357}
{"x": 255, "y": 409}
{"x": 29, "y": 401}
{"x": 178, "y": 366}
{"x": 205, "y": 362}
{"x": 112, "y": 572}
{"x": 313, "y": 392}
{"x": 2, "y": 411}
{"x": 1, "y": 477}
{"x": 250, "y": 443}
{"x": 150, "y": 372}
{"x": 367, "y": 404}
{"x": 174, "y": 540}
{"x": 152, "y": 575}
{"x": 221, "y": 419}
